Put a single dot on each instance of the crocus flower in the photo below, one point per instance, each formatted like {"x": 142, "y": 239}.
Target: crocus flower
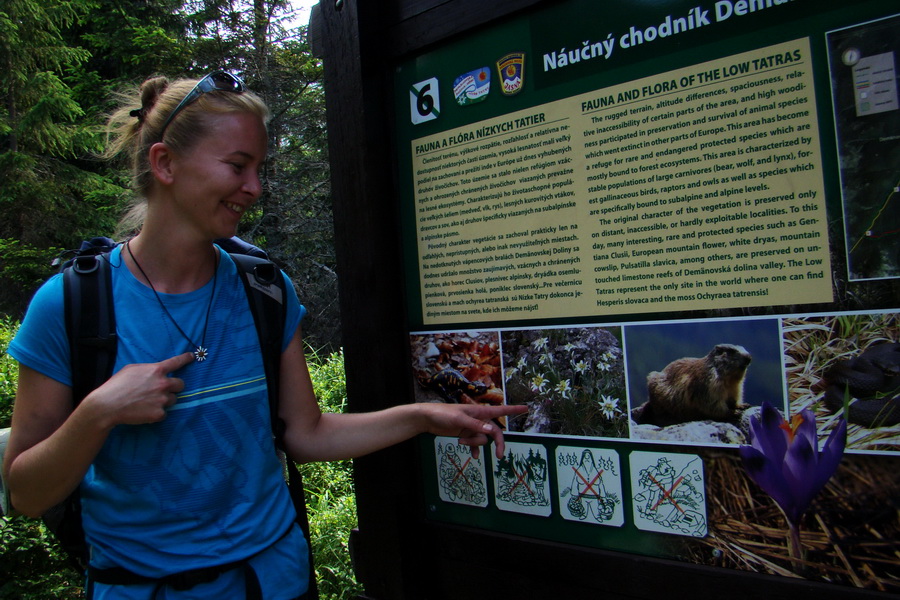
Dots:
{"x": 785, "y": 461}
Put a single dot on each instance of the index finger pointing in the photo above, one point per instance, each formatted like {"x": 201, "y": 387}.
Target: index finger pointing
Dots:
{"x": 497, "y": 435}
{"x": 170, "y": 365}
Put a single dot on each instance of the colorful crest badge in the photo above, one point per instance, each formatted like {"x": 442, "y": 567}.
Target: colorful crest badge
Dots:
{"x": 424, "y": 101}
{"x": 472, "y": 87}
{"x": 512, "y": 72}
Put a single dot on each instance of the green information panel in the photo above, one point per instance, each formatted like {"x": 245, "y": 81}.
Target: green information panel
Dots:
{"x": 655, "y": 224}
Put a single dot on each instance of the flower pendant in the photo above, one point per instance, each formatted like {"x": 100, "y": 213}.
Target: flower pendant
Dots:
{"x": 201, "y": 353}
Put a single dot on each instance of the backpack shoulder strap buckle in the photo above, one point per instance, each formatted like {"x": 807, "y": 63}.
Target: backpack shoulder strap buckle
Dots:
{"x": 85, "y": 265}
{"x": 261, "y": 275}
{"x": 265, "y": 273}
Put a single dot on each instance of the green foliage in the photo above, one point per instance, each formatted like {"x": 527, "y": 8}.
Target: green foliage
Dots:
{"x": 67, "y": 57}
{"x": 330, "y": 499}
{"x": 331, "y": 520}
{"x": 9, "y": 371}
{"x": 32, "y": 565}
{"x": 294, "y": 220}
{"x": 40, "y": 110}
{"x": 328, "y": 379}
{"x": 128, "y": 42}
{"x": 50, "y": 197}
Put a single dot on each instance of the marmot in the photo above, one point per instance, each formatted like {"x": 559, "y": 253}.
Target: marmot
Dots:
{"x": 696, "y": 389}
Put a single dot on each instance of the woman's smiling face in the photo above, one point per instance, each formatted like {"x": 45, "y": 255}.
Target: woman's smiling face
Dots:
{"x": 217, "y": 180}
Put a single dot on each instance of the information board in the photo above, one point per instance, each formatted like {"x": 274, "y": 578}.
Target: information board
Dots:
{"x": 644, "y": 221}
{"x": 665, "y": 193}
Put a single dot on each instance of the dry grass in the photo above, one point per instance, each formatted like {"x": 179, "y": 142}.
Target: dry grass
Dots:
{"x": 850, "y": 535}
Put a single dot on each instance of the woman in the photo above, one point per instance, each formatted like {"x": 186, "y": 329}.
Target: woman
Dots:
{"x": 174, "y": 454}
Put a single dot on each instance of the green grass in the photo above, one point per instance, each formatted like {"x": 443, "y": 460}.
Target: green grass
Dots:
{"x": 33, "y": 568}
{"x": 330, "y": 499}
{"x": 9, "y": 371}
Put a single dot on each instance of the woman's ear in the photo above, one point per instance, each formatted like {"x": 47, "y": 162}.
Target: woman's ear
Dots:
{"x": 161, "y": 159}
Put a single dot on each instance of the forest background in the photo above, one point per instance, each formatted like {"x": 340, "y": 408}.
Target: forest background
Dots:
{"x": 61, "y": 62}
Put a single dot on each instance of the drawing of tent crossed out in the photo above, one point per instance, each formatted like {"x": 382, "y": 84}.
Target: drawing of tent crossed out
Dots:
{"x": 520, "y": 478}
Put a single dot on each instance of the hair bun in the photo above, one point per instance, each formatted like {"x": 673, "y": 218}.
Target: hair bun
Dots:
{"x": 151, "y": 90}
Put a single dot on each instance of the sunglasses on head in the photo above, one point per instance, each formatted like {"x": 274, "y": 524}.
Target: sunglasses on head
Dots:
{"x": 217, "y": 80}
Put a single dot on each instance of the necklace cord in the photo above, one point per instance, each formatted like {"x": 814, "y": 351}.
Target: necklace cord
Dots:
{"x": 201, "y": 353}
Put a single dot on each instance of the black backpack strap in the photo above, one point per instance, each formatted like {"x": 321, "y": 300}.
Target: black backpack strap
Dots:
{"x": 91, "y": 329}
{"x": 265, "y": 289}
{"x": 235, "y": 245}
{"x": 90, "y": 323}
{"x": 266, "y": 294}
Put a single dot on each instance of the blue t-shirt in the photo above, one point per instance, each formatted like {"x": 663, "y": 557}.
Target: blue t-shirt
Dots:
{"x": 204, "y": 486}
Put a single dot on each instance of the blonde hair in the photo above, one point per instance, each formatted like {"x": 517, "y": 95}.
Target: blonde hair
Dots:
{"x": 138, "y": 124}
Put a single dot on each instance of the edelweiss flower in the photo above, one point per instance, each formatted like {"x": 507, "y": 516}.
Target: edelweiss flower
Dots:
{"x": 609, "y": 406}
{"x": 563, "y": 388}
{"x": 540, "y": 343}
{"x": 580, "y": 366}
{"x": 538, "y": 383}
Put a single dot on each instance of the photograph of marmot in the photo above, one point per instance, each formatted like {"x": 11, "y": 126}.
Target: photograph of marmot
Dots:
{"x": 698, "y": 382}
{"x": 697, "y": 389}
